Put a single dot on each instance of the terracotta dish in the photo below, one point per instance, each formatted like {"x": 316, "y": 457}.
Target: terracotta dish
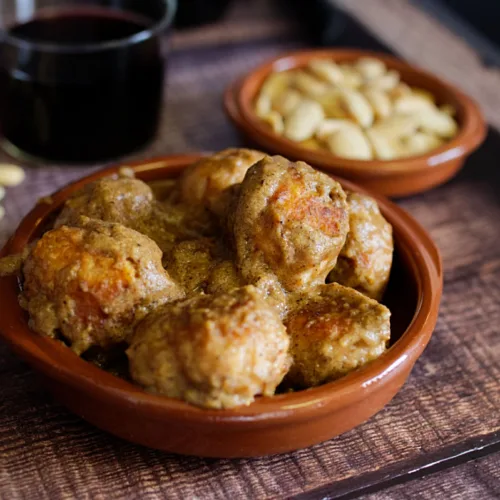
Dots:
{"x": 399, "y": 177}
{"x": 270, "y": 425}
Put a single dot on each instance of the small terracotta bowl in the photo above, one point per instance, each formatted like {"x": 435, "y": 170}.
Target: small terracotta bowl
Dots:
{"x": 399, "y": 177}
{"x": 270, "y": 425}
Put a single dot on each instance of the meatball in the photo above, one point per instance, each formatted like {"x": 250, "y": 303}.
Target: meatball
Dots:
{"x": 130, "y": 202}
{"x": 208, "y": 182}
{"x": 366, "y": 259}
{"x": 124, "y": 200}
{"x": 333, "y": 330}
{"x": 214, "y": 351}
{"x": 93, "y": 283}
{"x": 290, "y": 222}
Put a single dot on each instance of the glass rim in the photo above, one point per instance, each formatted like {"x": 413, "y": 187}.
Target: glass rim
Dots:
{"x": 163, "y": 23}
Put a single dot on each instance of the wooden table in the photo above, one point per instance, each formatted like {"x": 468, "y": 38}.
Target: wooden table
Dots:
{"x": 444, "y": 425}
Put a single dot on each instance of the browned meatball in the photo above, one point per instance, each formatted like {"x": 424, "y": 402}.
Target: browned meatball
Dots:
{"x": 124, "y": 200}
{"x": 130, "y": 202}
{"x": 366, "y": 259}
{"x": 290, "y": 222}
{"x": 333, "y": 330}
{"x": 215, "y": 351}
{"x": 94, "y": 283}
{"x": 207, "y": 183}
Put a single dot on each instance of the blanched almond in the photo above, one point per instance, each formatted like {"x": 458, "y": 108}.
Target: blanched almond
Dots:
{"x": 386, "y": 136}
{"x": 425, "y": 94}
{"x": 379, "y": 101}
{"x": 308, "y": 84}
{"x": 330, "y": 126}
{"x": 370, "y": 68}
{"x": 436, "y": 122}
{"x": 411, "y": 104}
{"x": 420, "y": 143}
{"x": 286, "y": 102}
{"x": 302, "y": 122}
{"x": 276, "y": 83}
{"x": 357, "y": 107}
{"x": 351, "y": 78}
{"x": 326, "y": 70}
{"x": 383, "y": 146}
{"x": 350, "y": 142}
{"x": 262, "y": 105}
{"x": 400, "y": 90}
{"x": 11, "y": 175}
{"x": 275, "y": 120}
{"x": 388, "y": 81}
{"x": 396, "y": 126}
{"x": 331, "y": 103}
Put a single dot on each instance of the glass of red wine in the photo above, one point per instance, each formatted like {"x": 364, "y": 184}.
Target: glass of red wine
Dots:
{"x": 81, "y": 80}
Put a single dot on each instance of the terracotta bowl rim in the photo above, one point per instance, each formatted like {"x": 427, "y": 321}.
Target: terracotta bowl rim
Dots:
{"x": 471, "y": 134}
{"x": 45, "y": 354}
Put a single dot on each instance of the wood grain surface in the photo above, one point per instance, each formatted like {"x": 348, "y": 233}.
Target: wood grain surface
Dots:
{"x": 478, "y": 479}
{"x": 449, "y": 407}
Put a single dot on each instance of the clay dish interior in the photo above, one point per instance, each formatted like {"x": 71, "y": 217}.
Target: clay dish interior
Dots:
{"x": 399, "y": 177}
{"x": 270, "y": 425}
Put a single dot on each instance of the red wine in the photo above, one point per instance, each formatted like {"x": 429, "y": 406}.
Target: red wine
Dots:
{"x": 81, "y": 85}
